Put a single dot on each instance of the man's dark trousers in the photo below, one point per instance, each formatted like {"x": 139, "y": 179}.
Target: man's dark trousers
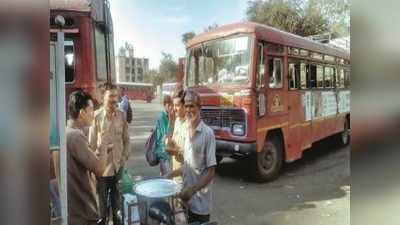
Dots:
{"x": 108, "y": 189}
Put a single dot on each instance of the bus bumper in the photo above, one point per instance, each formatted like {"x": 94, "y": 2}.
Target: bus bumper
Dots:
{"x": 230, "y": 148}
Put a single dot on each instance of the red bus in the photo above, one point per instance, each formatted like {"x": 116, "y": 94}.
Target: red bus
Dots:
{"x": 268, "y": 94}
{"x": 138, "y": 91}
{"x": 89, "y": 48}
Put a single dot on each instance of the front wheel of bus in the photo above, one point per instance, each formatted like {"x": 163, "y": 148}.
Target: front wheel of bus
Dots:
{"x": 269, "y": 161}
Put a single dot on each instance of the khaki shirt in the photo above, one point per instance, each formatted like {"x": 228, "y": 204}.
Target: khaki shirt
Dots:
{"x": 111, "y": 129}
{"x": 82, "y": 205}
{"x": 180, "y": 130}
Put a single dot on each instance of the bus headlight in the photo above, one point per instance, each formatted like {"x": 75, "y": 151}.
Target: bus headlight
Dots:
{"x": 238, "y": 129}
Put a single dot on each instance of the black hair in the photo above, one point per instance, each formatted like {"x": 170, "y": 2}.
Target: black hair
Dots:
{"x": 180, "y": 94}
{"x": 78, "y": 100}
{"x": 167, "y": 99}
{"x": 191, "y": 95}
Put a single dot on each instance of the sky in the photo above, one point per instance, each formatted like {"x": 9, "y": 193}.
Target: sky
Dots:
{"x": 153, "y": 26}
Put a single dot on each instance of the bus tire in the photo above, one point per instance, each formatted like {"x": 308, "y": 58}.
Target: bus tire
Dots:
{"x": 269, "y": 162}
{"x": 344, "y": 136}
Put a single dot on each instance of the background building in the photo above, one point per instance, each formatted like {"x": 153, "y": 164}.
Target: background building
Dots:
{"x": 131, "y": 69}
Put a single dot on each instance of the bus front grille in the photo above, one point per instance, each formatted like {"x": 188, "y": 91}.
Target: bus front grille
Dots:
{"x": 222, "y": 118}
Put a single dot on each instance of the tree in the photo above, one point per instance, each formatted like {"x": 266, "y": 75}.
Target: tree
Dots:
{"x": 210, "y": 27}
{"x": 186, "y": 37}
{"x": 168, "y": 68}
{"x": 302, "y": 17}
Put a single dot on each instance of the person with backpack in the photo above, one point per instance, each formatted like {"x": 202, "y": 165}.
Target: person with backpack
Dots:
{"x": 125, "y": 106}
{"x": 163, "y": 131}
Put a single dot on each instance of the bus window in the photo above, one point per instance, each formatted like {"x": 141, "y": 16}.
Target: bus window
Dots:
{"x": 337, "y": 80}
{"x": 328, "y": 77}
{"x": 312, "y": 76}
{"x": 69, "y": 52}
{"x": 260, "y": 66}
{"x": 101, "y": 54}
{"x": 320, "y": 77}
{"x": 275, "y": 73}
{"x": 347, "y": 78}
{"x": 303, "y": 76}
{"x": 294, "y": 75}
{"x": 341, "y": 78}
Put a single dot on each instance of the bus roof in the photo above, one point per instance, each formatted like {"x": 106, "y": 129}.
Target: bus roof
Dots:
{"x": 95, "y": 7}
{"x": 269, "y": 34}
{"x": 133, "y": 84}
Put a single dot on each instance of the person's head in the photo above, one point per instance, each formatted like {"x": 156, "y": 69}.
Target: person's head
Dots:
{"x": 110, "y": 97}
{"x": 167, "y": 102}
{"x": 80, "y": 107}
{"x": 178, "y": 101}
{"x": 192, "y": 105}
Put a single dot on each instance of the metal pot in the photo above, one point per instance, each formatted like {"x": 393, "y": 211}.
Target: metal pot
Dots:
{"x": 148, "y": 191}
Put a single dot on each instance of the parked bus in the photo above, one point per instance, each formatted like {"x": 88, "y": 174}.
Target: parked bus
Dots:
{"x": 89, "y": 48}
{"x": 138, "y": 91}
{"x": 168, "y": 88}
{"x": 268, "y": 94}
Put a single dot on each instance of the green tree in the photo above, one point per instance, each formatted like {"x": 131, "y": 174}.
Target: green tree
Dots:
{"x": 168, "y": 68}
{"x": 302, "y": 17}
{"x": 186, "y": 37}
{"x": 210, "y": 27}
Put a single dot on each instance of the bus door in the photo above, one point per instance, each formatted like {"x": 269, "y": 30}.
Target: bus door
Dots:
{"x": 299, "y": 107}
{"x": 276, "y": 87}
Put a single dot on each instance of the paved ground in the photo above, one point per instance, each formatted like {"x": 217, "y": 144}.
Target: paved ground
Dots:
{"x": 314, "y": 190}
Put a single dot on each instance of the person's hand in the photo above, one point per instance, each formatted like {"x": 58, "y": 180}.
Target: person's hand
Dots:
{"x": 187, "y": 193}
{"x": 179, "y": 157}
{"x": 122, "y": 162}
{"x": 164, "y": 140}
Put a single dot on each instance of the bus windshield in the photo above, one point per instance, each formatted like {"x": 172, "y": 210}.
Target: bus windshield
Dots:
{"x": 219, "y": 62}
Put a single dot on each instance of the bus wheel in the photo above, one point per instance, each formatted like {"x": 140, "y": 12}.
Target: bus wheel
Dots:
{"x": 344, "y": 137}
{"x": 269, "y": 161}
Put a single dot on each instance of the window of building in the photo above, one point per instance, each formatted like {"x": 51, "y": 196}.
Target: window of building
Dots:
{"x": 127, "y": 61}
{"x": 101, "y": 54}
{"x": 320, "y": 77}
{"x": 127, "y": 70}
{"x": 275, "y": 73}
{"x": 260, "y": 66}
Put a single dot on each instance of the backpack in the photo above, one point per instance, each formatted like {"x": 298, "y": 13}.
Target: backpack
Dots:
{"x": 129, "y": 114}
{"x": 151, "y": 149}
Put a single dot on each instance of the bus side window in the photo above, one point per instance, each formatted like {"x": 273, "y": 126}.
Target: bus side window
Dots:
{"x": 294, "y": 75}
{"x": 275, "y": 72}
{"x": 347, "y": 78}
{"x": 328, "y": 77}
{"x": 69, "y": 53}
{"x": 320, "y": 77}
{"x": 260, "y": 66}
{"x": 341, "y": 78}
{"x": 303, "y": 76}
{"x": 100, "y": 54}
{"x": 312, "y": 78}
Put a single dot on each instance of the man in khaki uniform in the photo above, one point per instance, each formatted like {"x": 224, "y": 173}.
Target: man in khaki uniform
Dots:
{"x": 82, "y": 206}
{"x": 110, "y": 125}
